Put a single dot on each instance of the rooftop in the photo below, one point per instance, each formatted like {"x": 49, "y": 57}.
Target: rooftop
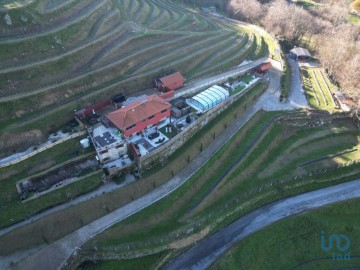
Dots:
{"x": 137, "y": 111}
{"x": 103, "y": 137}
{"x": 300, "y": 51}
{"x": 173, "y": 81}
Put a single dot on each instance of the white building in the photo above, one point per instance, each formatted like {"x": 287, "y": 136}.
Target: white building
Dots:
{"x": 109, "y": 143}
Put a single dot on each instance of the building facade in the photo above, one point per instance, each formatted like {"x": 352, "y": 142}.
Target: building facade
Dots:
{"x": 140, "y": 115}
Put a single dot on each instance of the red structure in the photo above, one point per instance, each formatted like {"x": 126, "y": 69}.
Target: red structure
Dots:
{"x": 171, "y": 82}
{"x": 140, "y": 115}
{"x": 263, "y": 68}
{"x": 167, "y": 95}
{"x": 88, "y": 111}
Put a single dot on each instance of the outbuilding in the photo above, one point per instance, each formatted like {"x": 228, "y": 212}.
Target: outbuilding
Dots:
{"x": 170, "y": 82}
{"x": 263, "y": 68}
{"x": 300, "y": 54}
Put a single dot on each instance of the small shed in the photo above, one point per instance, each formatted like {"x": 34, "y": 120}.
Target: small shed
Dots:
{"x": 263, "y": 68}
{"x": 300, "y": 54}
{"x": 85, "y": 143}
{"x": 170, "y": 82}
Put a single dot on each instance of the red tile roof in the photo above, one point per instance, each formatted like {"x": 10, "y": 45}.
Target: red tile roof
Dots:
{"x": 173, "y": 81}
{"x": 265, "y": 66}
{"x": 137, "y": 111}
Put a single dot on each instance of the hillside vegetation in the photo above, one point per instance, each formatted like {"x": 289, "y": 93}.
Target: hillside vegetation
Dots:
{"x": 330, "y": 29}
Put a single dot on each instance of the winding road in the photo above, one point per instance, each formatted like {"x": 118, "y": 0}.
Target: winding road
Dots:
{"x": 207, "y": 251}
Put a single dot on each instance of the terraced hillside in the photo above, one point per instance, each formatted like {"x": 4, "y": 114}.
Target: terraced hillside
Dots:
{"x": 319, "y": 89}
{"x": 57, "y": 56}
{"x": 312, "y": 151}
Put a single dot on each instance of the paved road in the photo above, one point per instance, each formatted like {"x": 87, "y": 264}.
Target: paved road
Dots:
{"x": 297, "y": 93}
{"x": 207, "y": 251}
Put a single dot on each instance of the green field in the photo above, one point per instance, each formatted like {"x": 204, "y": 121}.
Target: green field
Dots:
{"x": 318, "y": 89}
{"x": 296, "y": 241}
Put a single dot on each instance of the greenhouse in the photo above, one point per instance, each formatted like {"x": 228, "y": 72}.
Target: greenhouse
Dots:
{"x": 208, "y": 98}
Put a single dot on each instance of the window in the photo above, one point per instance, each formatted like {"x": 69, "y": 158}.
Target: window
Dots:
{"x": 163, "y": 111}
{"x": 130, "y": 127}
{"x": 151, "y": 117}
{"x": 103, "y": 152}
{"x": 119, "y": 146}
{"x": 106, "y": 159}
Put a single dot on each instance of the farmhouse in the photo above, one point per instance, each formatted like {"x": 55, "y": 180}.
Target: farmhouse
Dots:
{"x": 300, "y": 54}
{"x": 140, "y": 115}
{"x": 170, "y": 82}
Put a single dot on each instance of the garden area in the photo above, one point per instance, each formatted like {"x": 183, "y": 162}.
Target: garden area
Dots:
{"x": 319, "y": 89}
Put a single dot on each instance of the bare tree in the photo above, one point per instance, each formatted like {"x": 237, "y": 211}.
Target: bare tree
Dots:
{"x": 289, "y": 21}
{"x": 246, "y": 10}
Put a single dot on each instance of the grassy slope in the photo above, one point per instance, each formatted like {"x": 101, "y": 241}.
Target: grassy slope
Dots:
{"x": 296, "y": 240}
{"x": 160, "y": 220}
{"x": 11, "y": 208}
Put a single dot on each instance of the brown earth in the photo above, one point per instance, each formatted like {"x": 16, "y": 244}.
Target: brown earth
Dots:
{"x": 19, "y": 140}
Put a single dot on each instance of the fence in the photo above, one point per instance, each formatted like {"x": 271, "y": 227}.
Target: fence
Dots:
{"x": 42, "y": 149}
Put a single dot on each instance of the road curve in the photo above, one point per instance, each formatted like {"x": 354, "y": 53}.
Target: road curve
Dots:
{"x": 207, "y": 251}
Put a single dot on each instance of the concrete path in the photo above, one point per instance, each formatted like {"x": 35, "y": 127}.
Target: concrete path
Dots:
{"x": 207, "y": 251}
{"x": 297, "y": 94}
